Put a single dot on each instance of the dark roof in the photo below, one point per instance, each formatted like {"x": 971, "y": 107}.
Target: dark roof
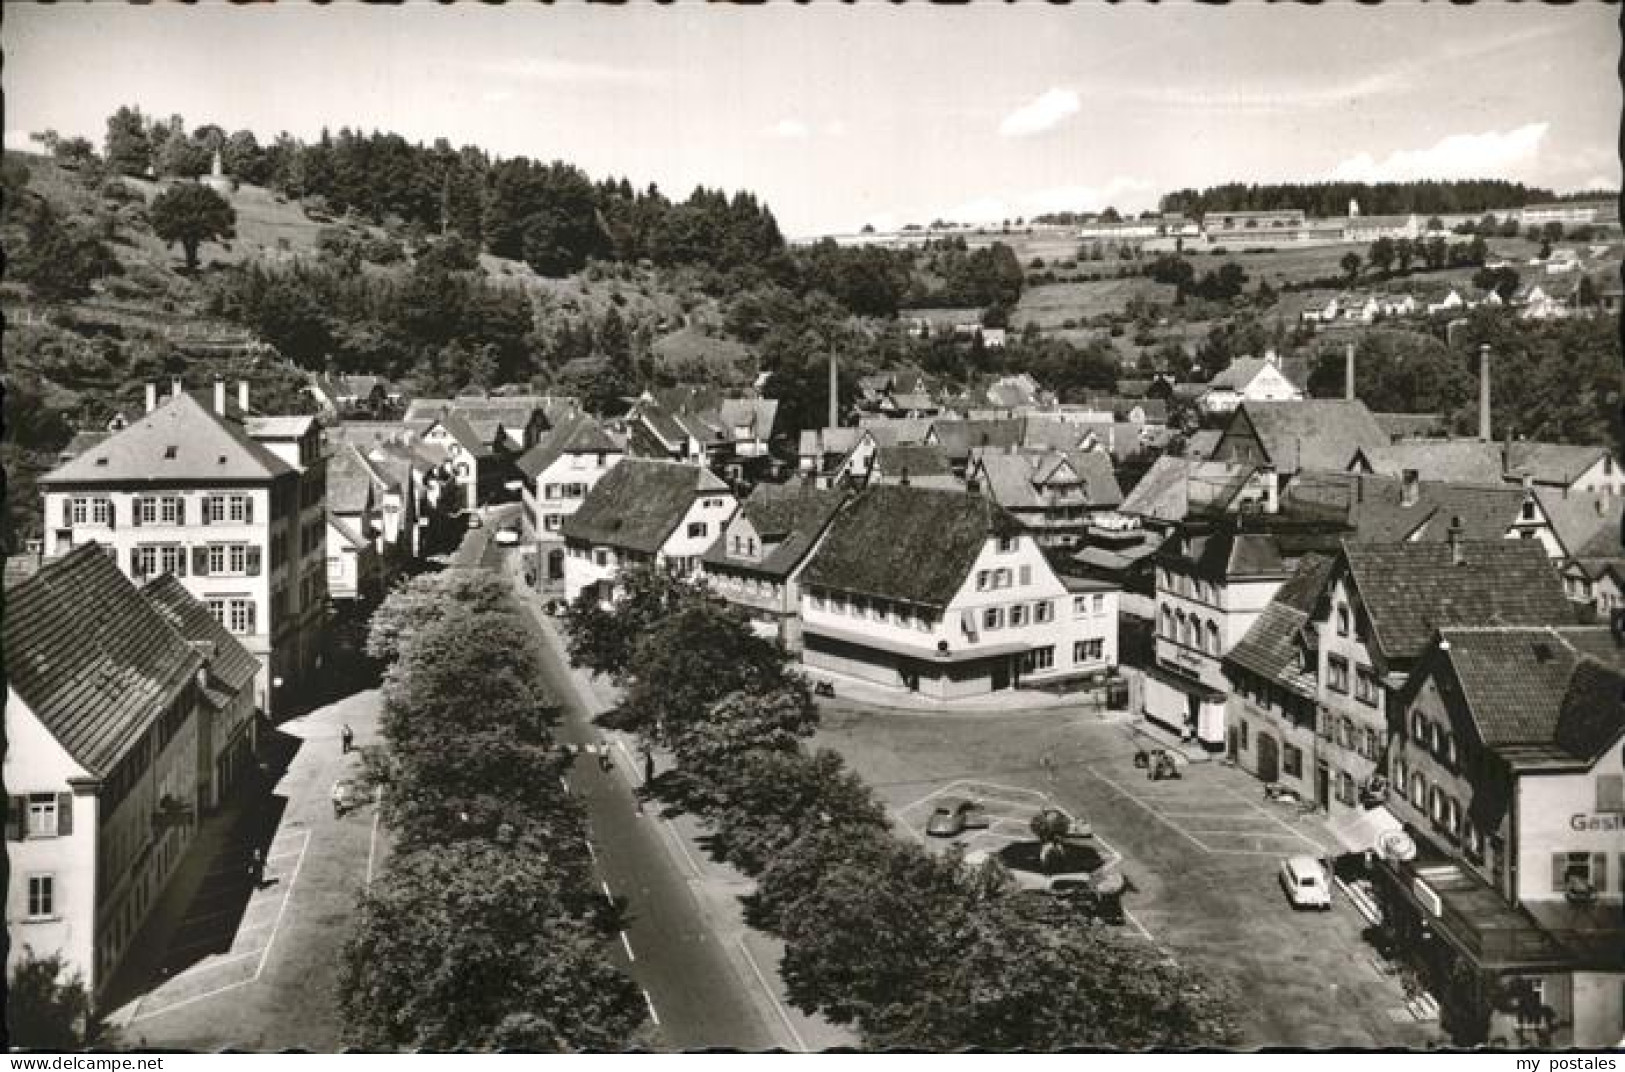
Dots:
{"x": 180, "y": 440}
{"x": 917, "y": 460}
{"x": 93, "y": 660}
{"x": 790, "y": 517}
{"x": 349, "y": 481}
{"x": 958, "y": 437}
{"x": 1541, "y": 686}
{"x": 911, "y": 544}
{"x": 574, "y": 435}
{"x": 1409, "y": 590}
{"x": 1228, "y": 555}
{"x": 1375, "y": 508}
{"x": 1313, "y": 433}
{"x": 1303, "y": 589}
{"x": 1271, "y": 646}
{"x": 1465, "y": 461}
{"x": 1552, "y": 463}
{"x": 1400, "y": 426}
{"x": 1586, "y": 523}
{"x": 229, "y": 662}
{"x": 637, "y": 504}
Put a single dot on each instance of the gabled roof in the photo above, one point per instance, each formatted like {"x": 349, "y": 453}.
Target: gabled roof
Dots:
{"x": 1239, "y": 375}
{"x": 889, "y": 431}
{"x": 1052, "y": 433}
{"x": 579, "y": 434}
{"x": 1540, "y": 693}
{"x": 1314, "y": 433}
{"x": 788, "y": 517}
{"x": 464, "y": 433}
{"x": 83, "y": 441}
{"x": 1227, "y": 555}
{"x": 349, "y": 532}
{"x": 757, "y": 414}
{"x": 958, "y": 437}
{"x": 917, "y": 460}
{"x": 915, "y": 545}
{"x": 1200, "y": 443}
{"x": 1410, "y": 590}
{"x": 1162, "y": 492}
{"x": 278, "y": 427}
{"x": 638, "y": 504}
{"x": 1375, "y": 507}
{"x": 1468, "y": 461}
{"x": 350, "y": 481}
{"x": 96, "y": 662}
{"x": 817, "y": 441}
{"x": 229, "y": 662}
{"x": 1586, "y": 523}
{"x": 180, "y": 440}
{"x": 1552, "y": 463}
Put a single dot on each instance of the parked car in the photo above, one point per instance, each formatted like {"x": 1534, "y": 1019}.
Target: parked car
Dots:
{"x": 1305, "y": 882}
{"x": 508, "y": 537}
{"x": 952, "y": 818}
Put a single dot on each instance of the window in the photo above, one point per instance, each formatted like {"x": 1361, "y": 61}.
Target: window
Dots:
{"x": 1365, "y": 685}
{"x": 217, "y": 609}
{"x": 1587, "y": 867}
{"x": 146, "y": 511}
{"x": 42, "y": 815}
{"x": 993, "y": 618}
{"x": 1345, "y": 787}
{"x": 1001, "y": 578}
{"x": 1080, "y": 606}
{"x": 551, "y": 522}
{"x": 696, "y": 529}
{"x": 818, "y": 602}
{"x": 144, "y": 561}
{"x": 1447, "y": 748}
{"x": 1038, "y": 659}
{"x": 1346, "y": 735}
{"x": 1043, "y": 612}
{"x": 1373, "y": 744}
{"x": 1337, "y": 673}
{"x": 1162, "y": 579}
{"x": 1292, "y": 760}
{"x": 237, "y": 508}
{"x": 1018, "y": 615}
{"x": 1088, "y": 651}
{"x": 1342, "y": 620}
{"x": 1026, "y": 575}
{"x": 1097, "y": 604}
{"x": 237, "y": 558}
{"x": 1419, "y": 791}
{"x": 1008, "y": 544}
{"x": 1419, "y": 728}
{"x": 600, "y": 557}
{"x": 550, "y": 491}
{"x": 41, "y": 896}
{"x": 1610, "y": 792}
{"x": 1167, "y": 623}
{"x": 1213, "y": 638}
{"x": 1528, "y": 511}
{"x": 982, "y": 580}
{"x": 101, "y": 511}
{"x": 240, "y": 616}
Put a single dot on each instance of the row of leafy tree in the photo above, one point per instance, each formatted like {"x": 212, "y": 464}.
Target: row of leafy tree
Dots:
{"x": 915, "y": 950}
{"x": 1322, "y": 199}
{"x": 483, "y": 930}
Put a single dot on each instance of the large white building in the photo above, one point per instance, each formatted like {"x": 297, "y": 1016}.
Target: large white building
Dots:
{"x": 232, "y": 504}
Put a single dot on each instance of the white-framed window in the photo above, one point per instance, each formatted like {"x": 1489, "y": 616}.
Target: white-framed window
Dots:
{"x": 237, "y": 507}
{"x": 1038, "y": 659}
{"x": 1365, "y": 685}
{"x": 550, "y": 491}
{"x": 1292, "y": 760}
{"x": 146, "y": 510}
{"x": 146, "y": 560}
{"x": 217, "y": 609}
{"x": 1043, "y": 611}
{"x": 1419, "y": 791}
{"x": 169, "y": 510}
{"x": 696, "y": 529}
{"x": 1026, "y": 575}
{"x": 1008, "y": 544}
{"x": 1345, "y": 787}
{"x": 1342, "y": 620}
{"x": 600, "y": 557}
{"x": 1088, "y": 651}
{"x": 1610, "y": 793}
{"x": 1097, "y": 604}
{"x": 41, "y": 896}
{"x": 172, "y": 559}
{"x": 42, "y": 815}
{"x": 101, "y": 511}
{"x": 550, "y": 522}
{"x": 982, "y": 580}
{"x": 993, "y": 618}
{"x": 240, "y": 616}
{"x": 1212, "y": 645}
{"x": 1018, "y": 615}
{"x": 1337, "y": 673}
{"x": 1001, "y": 578}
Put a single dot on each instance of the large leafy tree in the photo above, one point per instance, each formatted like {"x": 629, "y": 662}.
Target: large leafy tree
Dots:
{"x": 128, "y": 148}
{"x": 191, "y": 214}
{"x": 424, "y": 600}
{"x": 1399, "y": 372}
{"x": 474, "y": 946}
{"x": 604, "y": 641}
{"x": 48, "y": 1008}
{"x": 771, "y": 798}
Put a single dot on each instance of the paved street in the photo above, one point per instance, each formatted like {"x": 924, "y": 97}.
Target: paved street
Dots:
{"x": 256, "y": 968}
{"x": 1200, "y": 854}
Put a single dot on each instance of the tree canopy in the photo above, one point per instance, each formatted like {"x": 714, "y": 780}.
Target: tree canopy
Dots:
{"x": 191, "y": 214}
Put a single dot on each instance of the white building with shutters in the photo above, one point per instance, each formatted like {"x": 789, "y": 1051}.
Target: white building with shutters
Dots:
{"x": 232, "y": 504}
{"x": 122, "y": 727}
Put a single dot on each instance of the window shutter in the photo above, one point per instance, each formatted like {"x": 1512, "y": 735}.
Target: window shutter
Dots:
{"x": 248, "y": 509}
{"x": 200, "y": 560}
{"x": 180, "y": 510}
{"x": 180, "y": 562}
{"x": 253, "y": 557}
{"x": 15, "y": 815}
{"x": 64, "y": 814}
{"x": 253, "y": 614}
{"x": 135, "y": 562}
{"x": 67, "y": 512}
{"x": 204, "y": 505}
{"x": 1610, "y": 792}
{"x": 1560, "y": 864}
{"x": 1026, "y": 575}
{"x": 135, "y": 510}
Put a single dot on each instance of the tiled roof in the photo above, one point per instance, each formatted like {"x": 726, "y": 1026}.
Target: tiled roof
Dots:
{"x": 1586, "y": 523}
{"x": 958, "y": 437}
{"x": 1304, "y": 588}
{"x": 278, "y": 427}
{"x": 578, "y": 434}
{"x": 459, "y": 429}
{"x": 1200, "y": 443}
{"x": 1409, "y": 590}
{"x": 757, "y": 414}
{"x": 792, "y": 516}
{"x": 1466, "y": 461}
{"x": 83, "y": 441}
{"x": 917, "y": 460}
{"x": 95, "y": 661}
{"x": 1052, "y": 433}
{"x": 637, "y": 504}
{"x": 1162, "y": 491}
{"x": 1401, "y": 426}
{"x": 230, "y": 662}
{"x": 1315, "y": 433}
{"x": 1270, "y": 649}
{"x": 1524, "y": 686}
{"x": 1552, "y": 463}
{"x": 181, "y": 440}
{"x": 1239, "y": 374}
{"x": 916, "y": 545}
{"x": 1228, "y": 555}
{"x": 1375, "y": 508}
{"x": 351, "y": 534}
{"x": 888, "y": 431}
{"x": 1099, "y": 479}
{"x": 349, "y": 481}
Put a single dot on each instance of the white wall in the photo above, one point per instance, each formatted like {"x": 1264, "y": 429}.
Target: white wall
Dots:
{"x": 1558, "y": 813}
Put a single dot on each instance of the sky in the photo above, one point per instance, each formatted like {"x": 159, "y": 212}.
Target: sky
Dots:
{"x": 844, "y": 115}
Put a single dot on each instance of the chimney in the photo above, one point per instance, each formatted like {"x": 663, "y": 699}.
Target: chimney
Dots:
{"x": 175, "y": 387}
{"x": 1454, "y": 538}
{"x": 1411, "y": 490}
{"x": 834, "y": 401}
{"x": 220, "y": 396}
{"x": 152, "y": 396}
{"x": 1484, "y": 394}
{"x": 242, "y": 395}
{"x": 902, "y": 478}
{"x": 1348, "y": 373}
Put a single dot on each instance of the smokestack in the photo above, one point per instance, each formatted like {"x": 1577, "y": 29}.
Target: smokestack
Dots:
{"x": 834, "y": 401}
{"x": 242, "y": 395}
{"x": 1454, "y": 538}
{"x": 1348, "y": 373}
{"x": 1484, "y": 394}
{"x": 152, "y": 396}
{"x": 220, "y": 396}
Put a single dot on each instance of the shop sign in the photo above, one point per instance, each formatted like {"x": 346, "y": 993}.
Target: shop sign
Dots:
{"x": 1427, "y": 898}
{"x": 1588, "y": 823}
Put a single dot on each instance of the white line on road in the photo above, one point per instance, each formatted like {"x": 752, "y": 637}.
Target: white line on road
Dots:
{"x": 1155, "y": 813}
{"x": 784, "y": 1017}
{"x": 649, "y": 1001}
{"x": 627, "y": 945}
{"x": 610, "y": 897}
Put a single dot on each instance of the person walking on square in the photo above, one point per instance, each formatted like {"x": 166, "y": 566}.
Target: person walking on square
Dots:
{"x": 338, "y": 801}
{"x": 604, "y": 761}
{"x": 256, "y": 868}
{"x": 347, "y": 738}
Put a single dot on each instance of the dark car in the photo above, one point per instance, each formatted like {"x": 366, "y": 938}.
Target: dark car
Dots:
{"x": 952, "y": 818}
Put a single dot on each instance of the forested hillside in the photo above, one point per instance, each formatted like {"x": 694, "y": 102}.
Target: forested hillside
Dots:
{"x": 1332, "y": 198}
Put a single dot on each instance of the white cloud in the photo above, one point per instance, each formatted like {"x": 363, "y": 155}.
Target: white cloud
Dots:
{"x": 1460, "y": 156}
{"x": 1045, "y": 112}
{"x": 789, "y": 130}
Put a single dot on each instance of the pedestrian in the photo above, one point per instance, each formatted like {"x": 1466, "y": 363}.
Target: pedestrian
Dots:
{"x": 338, "y": 800}
{"x": 347, "y": 738}
{"x": 604, "y": 762}
{"x": 648, "y": 765}
{"x": 256, "y": 868}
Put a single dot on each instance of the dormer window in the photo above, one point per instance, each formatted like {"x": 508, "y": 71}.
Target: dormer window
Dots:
{"x": 1342, "y": 620}
{"x": 1528, "y": 510}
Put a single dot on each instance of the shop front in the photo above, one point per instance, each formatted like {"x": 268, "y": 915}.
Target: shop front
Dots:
{"x": 1184, "y": 706}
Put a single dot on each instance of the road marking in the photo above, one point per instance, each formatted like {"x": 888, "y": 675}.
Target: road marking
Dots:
{"x": 1318, "y": 847}
{"x": 287, "y": 895}
{"x": 610, "y": 897}
{"x": 682, "y": 847}
{"x": 772, "y": 995}
{"x": 372, "y": 846}
{"x": 627, "y": 945}
{"x": 655, "y": 1016}
{"x": 1154, "y": 812}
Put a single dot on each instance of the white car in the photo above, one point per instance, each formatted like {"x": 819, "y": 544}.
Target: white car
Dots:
{"x": 1305, "y": 883}
{"x": 508, "y": 537}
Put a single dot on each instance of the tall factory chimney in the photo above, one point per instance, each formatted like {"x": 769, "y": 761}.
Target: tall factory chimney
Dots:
{"x": 1484, "y": 393}
{"x": 1348, "y": 373}
{"x": 834, "y": 398}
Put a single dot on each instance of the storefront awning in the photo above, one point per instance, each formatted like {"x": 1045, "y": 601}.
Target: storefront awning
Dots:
{"x": 1375, "y": 830}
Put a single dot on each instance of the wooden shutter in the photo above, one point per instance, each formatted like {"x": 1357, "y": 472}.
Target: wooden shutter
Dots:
{"x": 180, "y": 510}
{"x": 253, "y": 615}
{"x": 253, "y": 557}
{"x": 200, "y": 561}
{"x": 16, "y": 819}
{"x": 1560, "y": 865}
{"x": 205, "y": 505}
{"x": 180, "y": 563}
{"x": 67, "y": 511}
{"x": 135, "y": 509}
{"x": 1599, "y": 871}
{"x": 135, "y": 562}
{"x": 248, "y": 509}
{"x": 64, "y": 814}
